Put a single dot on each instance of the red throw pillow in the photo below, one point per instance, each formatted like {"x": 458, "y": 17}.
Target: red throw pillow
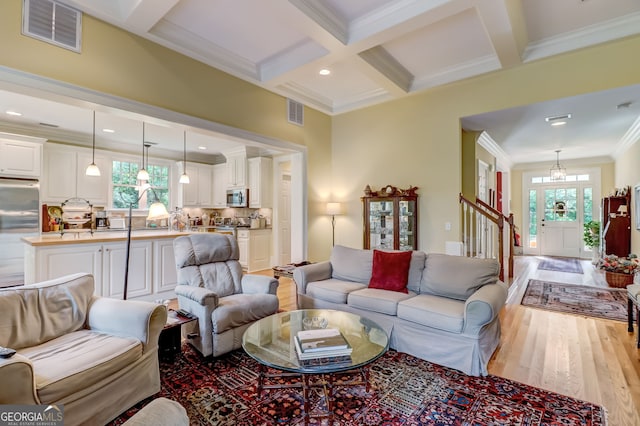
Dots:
{"x": 390, "y": 270}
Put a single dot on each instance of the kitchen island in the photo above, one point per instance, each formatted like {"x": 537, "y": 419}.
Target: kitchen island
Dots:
{"x": 152, "y": 271}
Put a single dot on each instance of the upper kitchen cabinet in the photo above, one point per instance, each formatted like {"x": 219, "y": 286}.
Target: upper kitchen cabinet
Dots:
{"x": 219, "y": 186}
{"x": 199, "y": 192}
{"x": 236, "y": 168}
{"x": 20, "y": 156}
{"x": 64, "y": 175}
{"x": 260, "y": 182}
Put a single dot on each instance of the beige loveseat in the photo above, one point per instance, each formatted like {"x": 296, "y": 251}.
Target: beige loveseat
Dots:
{"x": 448, "y": 315}
{"x": 95, "y": 355}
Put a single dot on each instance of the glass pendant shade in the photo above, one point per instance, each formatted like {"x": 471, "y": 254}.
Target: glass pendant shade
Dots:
{"x": 92, "y": 169}
{"x": 184, "y": 178}
{"x": 557, "y": 172}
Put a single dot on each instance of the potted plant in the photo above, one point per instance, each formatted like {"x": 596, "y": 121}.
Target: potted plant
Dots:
{"x": 591, "y": 238}
{"x": 619, "y": 271}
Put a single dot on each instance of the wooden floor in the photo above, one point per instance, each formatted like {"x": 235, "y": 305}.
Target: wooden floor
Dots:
{"x": 592, "y": 359}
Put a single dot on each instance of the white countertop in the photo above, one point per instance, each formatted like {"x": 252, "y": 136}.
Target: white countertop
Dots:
{"x": 70, "y": 237}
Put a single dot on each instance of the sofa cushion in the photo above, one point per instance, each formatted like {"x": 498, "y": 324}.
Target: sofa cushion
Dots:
{"x": 377, "y": 300}
{"x": 457, "y": 277}
{"x": 240, "y": 309}
{"x": 78, "y": 360}
{"x": 332, "y": 290}
{"x": 416, "y": 267}
{"x": 57, "y": 307}
{"x": 351, "y": 264}
{"x": 390, "y": 270}
{"x": 433, "y": 311}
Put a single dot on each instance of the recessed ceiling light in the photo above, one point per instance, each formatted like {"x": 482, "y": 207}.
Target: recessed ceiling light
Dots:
{"x": 108, "y": 130}
{"x": 14, "y": 113}
{"x": 202, "y": 147}
{"x": 324, "y": 71}
{"x": 558, "y": 120}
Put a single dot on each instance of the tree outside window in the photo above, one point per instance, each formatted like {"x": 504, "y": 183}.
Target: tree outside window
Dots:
{"x": 126, "y": 189}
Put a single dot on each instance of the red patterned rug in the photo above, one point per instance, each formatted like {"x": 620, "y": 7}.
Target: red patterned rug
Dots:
{"x": 404, "y": 390}
{"x": 577, "y": 299}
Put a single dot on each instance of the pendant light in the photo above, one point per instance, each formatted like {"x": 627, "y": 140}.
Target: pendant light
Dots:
{"x": 143, "y": 175}
{"x": 557, "y": 172}
{"x": 184, "y": 178}
{"x": 92, "y": 169}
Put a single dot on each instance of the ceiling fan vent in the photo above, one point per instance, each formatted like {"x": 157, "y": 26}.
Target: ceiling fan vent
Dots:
{"x": 295, "y": 112}
{"x": 50, "y": 21}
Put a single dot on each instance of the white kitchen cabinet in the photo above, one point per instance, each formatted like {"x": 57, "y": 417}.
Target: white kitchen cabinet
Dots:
{"x": 219, "y": 186}
{"x": 47, "y": 263}
{"x": 140, "y": 269}
{"x": 65, "y": 178}
{"x": 243, "y": 247}
{"x": 20, "y": 158}
{"x": 199, "y": 191}
{"x": 165, "y": 275}
{"x": 255, "y": 249}
{"x": 237, "y": 170}
{"x": 104, "y": 261}
{"x": 260, "y": 182}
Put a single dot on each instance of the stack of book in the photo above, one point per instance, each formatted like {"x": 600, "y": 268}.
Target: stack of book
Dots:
{"x": 325, "y": 346}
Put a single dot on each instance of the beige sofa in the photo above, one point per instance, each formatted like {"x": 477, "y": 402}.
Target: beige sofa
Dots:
{"x": 449, "y": 314}
{"x": 95, "y": 355}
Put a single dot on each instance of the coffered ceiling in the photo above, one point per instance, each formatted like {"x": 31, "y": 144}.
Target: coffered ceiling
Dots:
{"x": 376, "y": 50}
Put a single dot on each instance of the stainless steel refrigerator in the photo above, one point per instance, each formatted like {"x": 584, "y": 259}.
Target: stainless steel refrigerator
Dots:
{"x": 19, "y": 217}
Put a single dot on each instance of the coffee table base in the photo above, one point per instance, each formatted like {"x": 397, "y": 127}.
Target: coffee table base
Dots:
{"x": 326, "y": 382}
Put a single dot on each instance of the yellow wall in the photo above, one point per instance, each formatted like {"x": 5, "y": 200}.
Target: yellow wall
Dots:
{"x": 416, "y": 140}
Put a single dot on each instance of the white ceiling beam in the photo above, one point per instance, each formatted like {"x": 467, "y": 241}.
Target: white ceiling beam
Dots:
{"x": 147, "y": 13}
{"x": 500, "y": 31}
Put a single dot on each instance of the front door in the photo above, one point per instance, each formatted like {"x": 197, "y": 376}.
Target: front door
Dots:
{"x": 555, "y": 213}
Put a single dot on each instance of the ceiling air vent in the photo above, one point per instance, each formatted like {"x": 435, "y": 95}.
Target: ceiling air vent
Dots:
{"x": 295, "y": 112}
{"x": 50, "y": 21}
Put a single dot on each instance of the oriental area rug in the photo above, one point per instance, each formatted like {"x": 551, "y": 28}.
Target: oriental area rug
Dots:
{"x": 403, "y": 390}
{"x": 577, "y": 299}
{"x": 561, "y": 264}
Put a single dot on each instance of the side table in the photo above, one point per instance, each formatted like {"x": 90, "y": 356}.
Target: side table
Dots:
{"x": 170, "y": 341}
{"x": 633, "y": 294}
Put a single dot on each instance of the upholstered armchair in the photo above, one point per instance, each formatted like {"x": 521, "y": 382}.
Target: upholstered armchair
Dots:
{"x": 211, "y": 286}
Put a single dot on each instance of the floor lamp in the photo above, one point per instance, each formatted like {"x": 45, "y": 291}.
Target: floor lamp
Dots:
{"x": 333, "y": 209}
{"x": 157, "y": 210}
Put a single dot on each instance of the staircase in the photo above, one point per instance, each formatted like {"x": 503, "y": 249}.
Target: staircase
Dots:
{"x": 485, "y": 232}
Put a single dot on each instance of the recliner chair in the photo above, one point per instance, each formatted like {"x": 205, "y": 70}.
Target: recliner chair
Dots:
{"x": 212, "y": 287}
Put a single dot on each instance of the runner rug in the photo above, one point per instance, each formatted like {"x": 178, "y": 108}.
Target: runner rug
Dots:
{"x": 403, "y": 390}
{"x": 577, "y": 299}
{"x": 561, "y": 264}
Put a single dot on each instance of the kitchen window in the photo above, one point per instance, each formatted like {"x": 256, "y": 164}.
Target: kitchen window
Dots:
{"x": 126, "y": 189}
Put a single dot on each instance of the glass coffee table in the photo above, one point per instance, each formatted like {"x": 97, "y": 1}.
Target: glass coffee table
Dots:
{"x": 270, "y": 342}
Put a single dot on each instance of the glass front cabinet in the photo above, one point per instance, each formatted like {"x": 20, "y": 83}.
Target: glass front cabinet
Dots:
{"x": 390, "y": 218}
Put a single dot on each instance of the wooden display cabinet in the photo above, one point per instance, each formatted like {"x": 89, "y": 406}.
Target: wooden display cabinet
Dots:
{"x": 616, "y": 223}
{"x": 390, "y": 218}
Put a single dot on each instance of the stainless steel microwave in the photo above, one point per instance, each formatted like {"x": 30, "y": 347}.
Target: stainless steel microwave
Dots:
{"x": 238, "y": 198}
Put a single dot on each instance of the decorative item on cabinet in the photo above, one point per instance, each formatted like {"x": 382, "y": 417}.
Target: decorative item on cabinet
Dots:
{"x": 390, "y": 218}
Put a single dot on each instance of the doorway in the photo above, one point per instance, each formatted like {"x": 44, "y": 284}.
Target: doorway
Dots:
{"x": 556, "y": 212}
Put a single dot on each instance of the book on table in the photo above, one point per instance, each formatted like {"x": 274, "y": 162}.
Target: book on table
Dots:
{"x": 323, "y": 343}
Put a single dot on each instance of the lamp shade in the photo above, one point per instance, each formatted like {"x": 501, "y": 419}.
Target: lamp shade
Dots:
{"x": 333, "y": 209}
{"x": 184, "y": 178}
{"x": 157, "y": 211}
{"x": 92, "y": 170}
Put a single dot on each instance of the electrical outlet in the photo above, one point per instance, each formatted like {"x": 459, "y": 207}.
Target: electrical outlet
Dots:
{"x": 447, "y": 226}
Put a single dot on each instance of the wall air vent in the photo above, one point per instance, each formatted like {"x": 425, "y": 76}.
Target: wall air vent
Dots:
{"x": 53, "y": 22}
{"x": 295, "y": 112}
